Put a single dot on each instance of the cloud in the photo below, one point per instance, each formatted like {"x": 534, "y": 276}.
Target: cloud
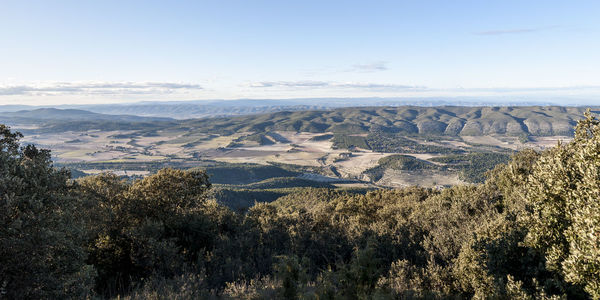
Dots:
{"x": 533, "y": 89}
{"x": 292, "y": 84}
{"x": 508, "y": 31}
{"x": 383, "y": 87}
{"x": 97, "y": 88}
{"x": 371, "y": 67}
{"x": 331, "y": 85}
{"x": 358, "y": 85}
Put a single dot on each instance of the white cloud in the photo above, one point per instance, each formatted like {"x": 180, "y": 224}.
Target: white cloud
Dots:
{"x": 331, "y": 85}
{"x": 96, "y": 88}
{"x": 370, "y": 67}
{"x": 291, "y": 84}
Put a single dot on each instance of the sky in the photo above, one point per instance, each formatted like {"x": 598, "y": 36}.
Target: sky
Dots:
{"x": 80, "y": 52}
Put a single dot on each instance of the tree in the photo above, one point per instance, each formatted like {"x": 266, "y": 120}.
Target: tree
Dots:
{"x": 155, "y": 226}
{"x": 41, "y": 232}
{"x": 564, "y": 197}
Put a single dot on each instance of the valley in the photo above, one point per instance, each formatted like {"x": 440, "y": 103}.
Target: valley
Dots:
{"x": 345, "y": 146}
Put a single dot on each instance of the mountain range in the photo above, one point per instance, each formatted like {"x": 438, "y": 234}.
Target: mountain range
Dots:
{"x": 220, "y": 108}
{"x": 442, "y": 120}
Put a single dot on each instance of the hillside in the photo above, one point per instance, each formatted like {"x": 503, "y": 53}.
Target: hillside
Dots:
{"x": 445, "y": 120}
{"x": 220, "y": 108}
{"x": 343, "y": 143}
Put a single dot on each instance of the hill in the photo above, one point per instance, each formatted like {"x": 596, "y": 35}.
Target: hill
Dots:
{"x": 53, "y": 120}
{"x": 438, "y": 146}
{"x": 445, "y": 120}
{"x": 41, "y": 115}
{"x": 220, "y": 108}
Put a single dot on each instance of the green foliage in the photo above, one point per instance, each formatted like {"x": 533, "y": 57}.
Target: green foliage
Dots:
{"x": 76, "y": 173}
{"x": 398, "y": 162}
{"x": 148, "y": 226}
{"x": 259, "y": 138}
{"x": 245, "y": 173}
{"x": 240, "y": 199}
{"x": 399, "y": 143}
{"x": 405, "y": 162}
{"x": 342, "y": 141}
{"x": 473, "y": 166}
{"x": 42, "y": 227}
{"x": 563, "y": 193}
{"x": 323, "y": 137}
{"x": 282, "y": 182}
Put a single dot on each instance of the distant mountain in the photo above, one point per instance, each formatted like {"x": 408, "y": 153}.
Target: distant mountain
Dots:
{"x": 12, "y": 108}
{"x": 441, "y": 120}
{"x": 42, "y": 115}
{"x": 190, "y": 111}
{"x": 44, "y": 120}
{"x": 221, "y": 108}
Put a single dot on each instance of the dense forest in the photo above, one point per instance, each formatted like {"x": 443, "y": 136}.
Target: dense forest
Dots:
{"x": 530, "y": 230}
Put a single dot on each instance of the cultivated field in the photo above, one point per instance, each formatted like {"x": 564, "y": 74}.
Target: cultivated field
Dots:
{"x": 348, "y": 143}
{"x": 296, "y": 148}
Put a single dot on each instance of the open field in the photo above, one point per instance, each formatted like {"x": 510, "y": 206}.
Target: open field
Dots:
{"x": 298, "y": 148}
{"x": 346, "y": 143}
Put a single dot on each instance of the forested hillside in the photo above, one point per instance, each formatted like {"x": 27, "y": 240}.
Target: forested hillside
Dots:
{"x": 529, "y": 231}
{"x": 447, "y": 120}
{"x": 212, "y": 108}
{"x": 439, "y": 120}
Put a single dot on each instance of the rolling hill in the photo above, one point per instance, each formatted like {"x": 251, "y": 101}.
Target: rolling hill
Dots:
{"x": 220, "y": 108}
{"x": 445, "y": 120}
{"x": 412, "y": 120}
{"x": 46, "y": 120}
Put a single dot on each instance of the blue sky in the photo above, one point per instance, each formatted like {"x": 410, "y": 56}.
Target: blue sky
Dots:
{"x": 121, "y": 51}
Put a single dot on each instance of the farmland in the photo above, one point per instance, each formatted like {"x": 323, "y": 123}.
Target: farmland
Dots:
{"x": 344, "y": 144}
